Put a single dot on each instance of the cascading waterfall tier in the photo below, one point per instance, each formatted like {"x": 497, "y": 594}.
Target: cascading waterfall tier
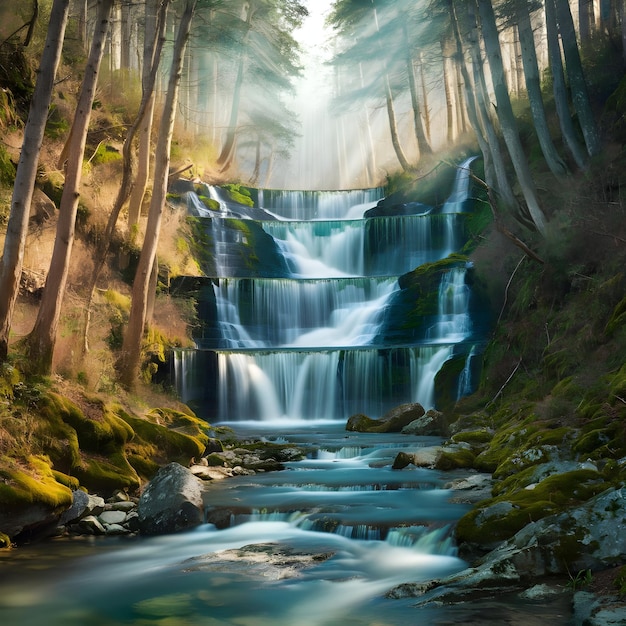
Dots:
{"x": 316, "y": 312}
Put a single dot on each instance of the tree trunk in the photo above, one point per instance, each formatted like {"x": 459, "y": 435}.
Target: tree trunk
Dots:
{"x": 561, "y": 99}
{"x": 145, "y": 131}
{"x": 393, "y": 128}
{"x": 447, "y": 92}
{"x": 425, "y": 109}
{"x": 146, "y": 108}
{"x": 228, "y": 149}
{"x": 470, "y": 99}
{"x": 585, "y": 20}
{"x": 129, "y": 362}
{"x": 43, "y": 336}
{"x": 26, "y": 174}
{"x": 422, "y": 143}
{"x": 506, "y": 116}
{"x": 578, "y": 84}
{"x": 533, "y": 89}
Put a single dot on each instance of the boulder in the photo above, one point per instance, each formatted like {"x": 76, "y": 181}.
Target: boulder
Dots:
{"x": 402, "y": 460}
{"x": 432, "y": 423}
{"x": 361, "y": 423}
{"x": 400, "y": 416}
{"x": 80, "y": 504}
{"x": 171, "y": 502}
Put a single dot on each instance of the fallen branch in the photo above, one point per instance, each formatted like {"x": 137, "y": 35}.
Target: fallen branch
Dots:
{"x": 506, "y": 290}
{"x": 506, "y": 382}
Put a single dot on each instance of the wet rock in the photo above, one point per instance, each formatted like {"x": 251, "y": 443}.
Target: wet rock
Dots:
{"x": 392, "y": 422}
{"x": 112, "y": 517}
{"x": 210, "y": 473}
{"x": 432, "y": 423}
{"x": 402, "y": 460}
{"x": 80, "y": 504}
{"x": 171, "y": 502}
{"x": 89, "y": 525}
{"x": 397, "y": 418}
{"x": 360, "y": 423}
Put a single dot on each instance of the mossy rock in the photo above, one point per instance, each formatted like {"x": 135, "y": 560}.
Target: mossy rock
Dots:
{"x": 20, "y": 488}
{"x": 456, "y": 459}
{"x": 501, "y": 517}
{"x": 101, "y": 432}
{"x": 361, "y": 423}
{"x": 5, "y": 541}
{"x": 167, "y": 445}
{"x": 476, "y": 438}
{"x": 186, "y": 423}
{"x": 106, "y": 475}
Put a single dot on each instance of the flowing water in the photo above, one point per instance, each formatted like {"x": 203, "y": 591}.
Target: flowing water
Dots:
{"x": 291, "y": 349}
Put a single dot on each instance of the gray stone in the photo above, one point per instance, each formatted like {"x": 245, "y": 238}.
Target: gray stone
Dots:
{"x": 89, "y": 526}
{"x": 116, "y": 529}
{"x": 80, "y": 502}
{"x": 171, "y": 502}
{"x": 112, "y": 517}
{"x": 431, "y": 424}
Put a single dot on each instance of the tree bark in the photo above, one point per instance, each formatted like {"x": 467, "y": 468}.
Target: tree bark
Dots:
{"x": 26, "y": 174}
{"x": 533, "y": 89}
{"x": 503, "y": 187}
{"x": 393, "y": 128}
{"x": 146, "y": 109}
{"x": 422, "y": 143}
{"x": 578, "y": 84}
{"x": 228, "y": 149}
{"x": 129, "y": 362}
{"x": 506, "y": 116}
{"x": 43, "y": 336}
{"x": 559, "y": 87}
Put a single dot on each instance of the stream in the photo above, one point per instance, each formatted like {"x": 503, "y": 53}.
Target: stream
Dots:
{"x": 318, "y": 544}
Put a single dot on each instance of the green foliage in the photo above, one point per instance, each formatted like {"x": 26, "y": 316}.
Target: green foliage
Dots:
{"x": 582, "y": 579}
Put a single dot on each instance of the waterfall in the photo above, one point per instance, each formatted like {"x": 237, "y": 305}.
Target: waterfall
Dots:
{"x": 302, "y": 338}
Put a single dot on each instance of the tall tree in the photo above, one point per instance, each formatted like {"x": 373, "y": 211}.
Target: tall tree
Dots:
{"x": 559, "y": 88}
{"x": 505, "y": 114}
{"x": 42, "y": 339}
{"x": 129, "y": 361}
{"x": 17, "y": 228}
{"x": 533, "y": 89}
{"x": 577, "y": 81}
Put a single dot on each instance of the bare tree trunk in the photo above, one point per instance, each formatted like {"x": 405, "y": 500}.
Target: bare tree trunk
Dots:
{"x": 533, "y": 88}
{"x": 483, "y": 104}
{"x": 146, "y": 108}
{"x": 506, "y": 116}
{"x": 422, "y": 143}
{"x": 578, "y": 84}
{"x": 561, "y": 99}
{"x": 17, "y": 228}
{"x": 425, "y": 109}
{"x": 447, "y": 92}
{"x": 43, "y": 336}
{"x": 585, "y": 20}
{"x": 470, "y": 99}
{"x": 145, "y": 131}
{"x": 393, "y": 128}
{"x": 129, "y": 362}
{"x": 228, "y": 149}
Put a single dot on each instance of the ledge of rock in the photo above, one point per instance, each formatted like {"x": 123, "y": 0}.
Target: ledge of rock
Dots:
{"x": 171, "y": 502}
{"x": 391, "y": 422}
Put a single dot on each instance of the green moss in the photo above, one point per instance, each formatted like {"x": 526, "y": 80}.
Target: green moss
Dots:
{"x": 552, "y": 495}
{"x": 239, "y": 194}
{"x": 105, "y": 154}
{"x": 461, "y": 458}
{"x": 474, "y": 437}
{"x": 7, "y": 169}
{"x": 69, "y": 481}
{"x": 168, "y": 445}
{"x": 19, "y": 488}
{"x": 105, "y": 475}
{"x": 209, "y": 203}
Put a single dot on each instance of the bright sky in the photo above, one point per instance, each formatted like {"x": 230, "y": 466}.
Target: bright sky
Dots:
{"x": 312, "y": 33}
